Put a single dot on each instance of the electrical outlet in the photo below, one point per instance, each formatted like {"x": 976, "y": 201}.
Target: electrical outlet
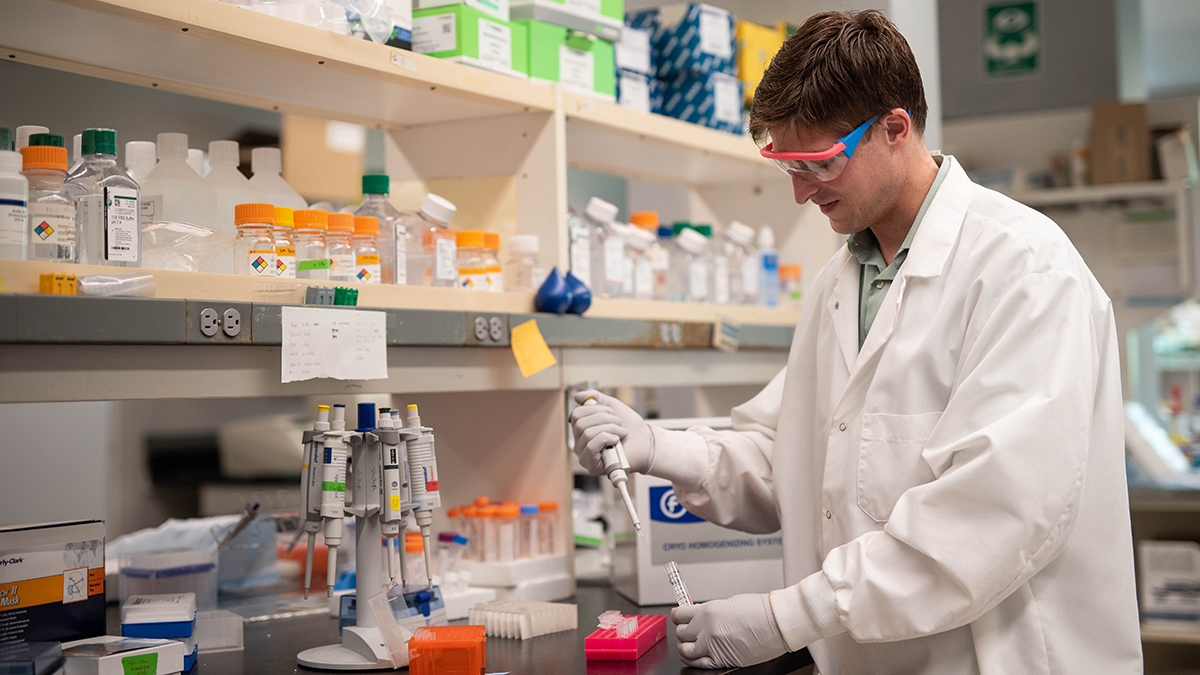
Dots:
{"x": 496, "y": 328}
{"x": 481, "y": 329}
{"x": 231, "y": 322}
{"x": 209, "y": 322}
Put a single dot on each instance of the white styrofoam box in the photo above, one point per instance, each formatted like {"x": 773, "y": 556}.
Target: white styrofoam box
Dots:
{"x": 545, "y": 589}
{"x": 519, "y": 571}
{"x": 1169, "y": 582}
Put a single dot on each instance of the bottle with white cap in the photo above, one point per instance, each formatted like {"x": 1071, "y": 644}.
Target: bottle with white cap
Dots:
{"x": 266, "y": 164}
{"x": 523, "y": 272}
{"x": 231, "y": 186}
{"x": 689, "y": 266}
{"x": 108, "y": 219}
{"x": 140, "y": 158}
{"x": 607, "y": 248}
{"x": 639, "y": 283}
{"x": 432, "y": 245}
{"x": 25, "y": 131}
{"x": 174, "y": 193}
{"x": 738, "y": 243}
{"x": 14, "y": 199}
{"x": 768, "y": 287}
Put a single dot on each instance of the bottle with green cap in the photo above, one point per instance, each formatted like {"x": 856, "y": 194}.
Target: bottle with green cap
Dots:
{"x": 392, "y": 242}
{"x": 107, "y": 205}
{"x": 718, "y": 266}
{"x": 14, "y": 195}
{"x": 51, "y": 228}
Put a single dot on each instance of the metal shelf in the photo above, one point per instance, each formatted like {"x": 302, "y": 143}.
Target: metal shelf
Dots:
{"x": 1171, "y": 634}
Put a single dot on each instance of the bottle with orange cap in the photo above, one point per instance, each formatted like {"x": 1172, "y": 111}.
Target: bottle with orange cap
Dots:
{"x": 340, "y": 247}
{"x": 285, "y": 248}
{"x": 367, "y": 266}
{"x": 548, "y": 528}
{"x": 312, "y": 259}
{"x": 789, "y": 286}
{"x": 472, "y": 267}
{"x": 491, "y": 261}
{"x": 254, "y": 247}
{"x": 51, "y": 210}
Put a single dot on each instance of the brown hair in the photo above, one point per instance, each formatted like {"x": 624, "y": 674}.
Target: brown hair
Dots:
{"x": 838, "y": 71}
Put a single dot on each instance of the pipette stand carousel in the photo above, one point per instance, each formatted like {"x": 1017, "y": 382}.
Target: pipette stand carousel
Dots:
{"x": 362, "y": 646}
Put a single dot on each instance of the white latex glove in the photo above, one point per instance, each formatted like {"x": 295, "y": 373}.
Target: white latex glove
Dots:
{"x": 603, "y": 424}
{"x": 737, "y": 631}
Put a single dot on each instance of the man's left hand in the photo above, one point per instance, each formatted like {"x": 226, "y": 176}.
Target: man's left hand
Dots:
{"x": 737, "y": 631}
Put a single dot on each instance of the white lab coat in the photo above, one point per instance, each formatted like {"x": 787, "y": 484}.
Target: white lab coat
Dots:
{"x": 952, "y": 498}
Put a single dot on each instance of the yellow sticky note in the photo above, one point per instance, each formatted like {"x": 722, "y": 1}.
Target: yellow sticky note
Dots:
{"x": 528, "y": 345}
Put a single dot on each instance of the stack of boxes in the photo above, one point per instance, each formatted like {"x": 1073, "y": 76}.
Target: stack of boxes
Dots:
{"x": 170, "y": 617}
{"x": 476, "y": 32}
{"x": 756, "y": 46}
{"x": 637, "y": 87}
{"x": 693, "y": 47}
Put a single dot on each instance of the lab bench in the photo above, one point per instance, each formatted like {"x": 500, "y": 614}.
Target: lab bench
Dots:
{"x": 271, "y": 646}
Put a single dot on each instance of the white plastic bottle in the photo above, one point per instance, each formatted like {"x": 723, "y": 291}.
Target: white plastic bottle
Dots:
{"x": 637, "y": 245}
{"x": 432, "y": 246}
{"x": 140, "y": 157}
{"x": 231, "y": 186}
{"x": 607, "y": 249}
{"x": 198, "y": 160}
{"x": 108, "y": 219}
{"x": 738, "y": 241}
{"x": 523, "y": 272}
{"x": 340, "y": 247}
{"x": 718, "y": 267}
{"x": 25, "y": 131}
{"x": 768, "y": 286}
{"x": 14, "y": 199}
{"x": 51, "y": 230}
{"x": 266, "y": 165}
{"x": 689, "y": 266}
{"x": 392, "y": 240}
{"x": 173, "y": 192}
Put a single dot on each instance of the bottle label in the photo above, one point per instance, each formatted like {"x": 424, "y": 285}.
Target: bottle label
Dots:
{"x": 614, "y": 259}
{"x": 285, "y": 262}
{"x": 401, "y": 256}
{"x": 643, "y": 279}
{"x": 581, "y": 252}
{"x": 698, "y": 281}
{"x": 444, "y": 263}
{"x": 495, "y": 278}
{"x": 473, "y": 279}
{"x": 13, "y": 221}
{"x": 121, "y": 232}
{"x": 342, "y": 266}
{"x": 750, "y": 278}
{"x": 51, "y": 223}
{"x": 627, "y": 278}
{"x": 368, "y": 270}
{"x": 260, "y": 263}
{"x": 660, "y": 259}
{"x": 721, "y": 280}
{"x": 151, "y": 207}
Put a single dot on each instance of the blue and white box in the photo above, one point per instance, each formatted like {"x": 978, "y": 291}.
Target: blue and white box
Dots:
{"x": 713, "y": 100}
{"x": 634, "y": 53}
{"x": 694, "y": 38}
{"x": 633, "y": 91}
{"x": 171, "y": 617}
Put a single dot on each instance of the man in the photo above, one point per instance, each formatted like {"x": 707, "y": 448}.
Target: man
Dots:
{"x": 943, "y": 452}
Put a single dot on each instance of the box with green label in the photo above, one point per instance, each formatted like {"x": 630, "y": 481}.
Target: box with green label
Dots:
{"x": 464, "y": 34}
{"x": 497, "y": 8}
{"x": 579, "y": 62}
{"x": 602, "y": 18}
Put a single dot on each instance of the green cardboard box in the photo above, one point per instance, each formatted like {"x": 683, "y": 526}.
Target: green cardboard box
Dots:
{"x": 580, "y": 62}
{"x": 464, "y": 34}
{"x": 497, "y": 8}
{"x": 602, "y": 18}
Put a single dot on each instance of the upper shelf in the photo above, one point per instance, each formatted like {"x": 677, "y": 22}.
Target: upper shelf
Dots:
{"x": 1091, "y": 194}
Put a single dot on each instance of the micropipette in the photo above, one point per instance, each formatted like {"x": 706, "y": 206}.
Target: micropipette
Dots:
{"x": 395, "y": 484}
{"x": 310, "y": 492}
{"x": 423, "y": 483}
{"x": 333, "y": 490}
{"x": 677, "y": 585}
{"x": 616, "y": 466}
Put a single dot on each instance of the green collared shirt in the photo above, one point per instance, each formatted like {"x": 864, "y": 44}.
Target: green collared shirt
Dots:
{"x": 875, "y": 277}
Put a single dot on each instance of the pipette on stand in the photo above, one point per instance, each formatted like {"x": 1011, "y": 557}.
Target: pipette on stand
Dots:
{"x": 395, "y": 485}
{"x": 310, "y": 491}
{"x": 617, "y": 466}
{"x": 423, "y": 483}
{"x": 333, "y": 490}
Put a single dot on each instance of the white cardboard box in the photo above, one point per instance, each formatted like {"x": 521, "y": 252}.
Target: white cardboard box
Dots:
{"x": 116, "y": 655}
{"x": 1169, "y": 581}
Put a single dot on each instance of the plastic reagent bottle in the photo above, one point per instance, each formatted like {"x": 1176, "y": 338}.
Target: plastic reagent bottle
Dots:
{"x": 768, "y": 287}
{"x": 231, "y": 186}
{"x": 738, "y": 242}
{"x": 312, "y": 260}
{"x": 368, "y": 269}
{"x": 392, "y": 240}
{"x": 523, "y": 270}
{"x": 14, "y": 198}
{"x": 607, "y": 249}
{"x": 339, "y": 247}
{"x": 107, "y": 205}
{"x": 285, "y": 247}
{"x": 197, "y": 160}
{"x": 266, "y": 164}
{"x": 641, "y": 268}
{"x": 789, "y": 287}
{"x": 432, "y": 247}
{"x": 718, "y": 268}
{"x": 692, "y": 272}
{"x": 254, "y": 248}
{"x": 173, "y": 192}
{"x": 51, "y": 231}
{"x": 140, "y": 157}
{"x": 491, "y": 260}
{"x": 76, "y": 151}
{"x": 25, "y": 131}
{"x": 660, "y": 260}
{"x": 472, "y": 267}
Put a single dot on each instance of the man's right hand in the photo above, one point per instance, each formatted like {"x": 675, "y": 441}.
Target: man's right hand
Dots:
{"x": 603, "y": 424}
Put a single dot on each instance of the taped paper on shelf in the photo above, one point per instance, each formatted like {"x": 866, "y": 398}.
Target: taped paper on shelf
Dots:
{"x": 334, "y": 343}
{"x": 530, "y": 349}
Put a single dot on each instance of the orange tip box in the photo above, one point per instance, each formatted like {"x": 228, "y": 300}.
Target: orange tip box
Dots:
{"x": 447, "y": 650}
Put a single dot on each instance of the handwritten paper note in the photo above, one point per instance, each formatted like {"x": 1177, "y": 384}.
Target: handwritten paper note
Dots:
{"x": 335, "y": 343}
{"x": 528, "y": 345}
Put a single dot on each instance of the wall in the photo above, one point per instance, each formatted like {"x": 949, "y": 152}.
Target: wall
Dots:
{"x": 1078, "y": 60}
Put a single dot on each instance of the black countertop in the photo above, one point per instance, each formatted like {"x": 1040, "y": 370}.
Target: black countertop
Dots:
{"x": 271, "y": 647}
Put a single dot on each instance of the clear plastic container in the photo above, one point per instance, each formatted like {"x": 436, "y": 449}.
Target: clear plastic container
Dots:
{"x": 487, "y": 522}
{"x": 51, "y": 210}
{"x": 367, "y": 266}
{"x": 491, "y": 261}
{"x": 232, "y": 188}
{"x": 14, "y": 218}
{"x": 523, "y": 271}
{"x": 173, "y": 192}
{"x": 506, "y": 532}
{"x": 414, "y": 558}
{"x": 140, "y": 158}
{"x": 738, "y": 242}
{"x": 689, "y": 267}
{"x": 768, "y": 285}
{"x": 340, "y": 247}
{"x": 450, "y": 551}
{"x": 266, "y": 165}
{"x": 312, "y": 259}
{"x": 660, "y": 256}
{"x": 789, "y": 287}
{"x": 473, "y": 530}
{"x": 108, "y": 205}
{"x": 219, "y": 630}
{"x": 718, "y": 267}
{"x": 123, "y": 284}
{"x": 472, "y": 263}
{"x": 529, "y": 544}
{"x": 285, "y": 246}
{"x": 548, "y": 528}
{"x": 640, "y": 266}
{"x": 254, "y": 248}
{"x": 392, "y": 241}
{"x": 607, "y": 248}
{"x": 432, "y": 246}
{"x": 171, "y": 571}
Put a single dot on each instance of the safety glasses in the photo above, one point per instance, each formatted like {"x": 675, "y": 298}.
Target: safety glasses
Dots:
{"x": 825, "y": 165}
